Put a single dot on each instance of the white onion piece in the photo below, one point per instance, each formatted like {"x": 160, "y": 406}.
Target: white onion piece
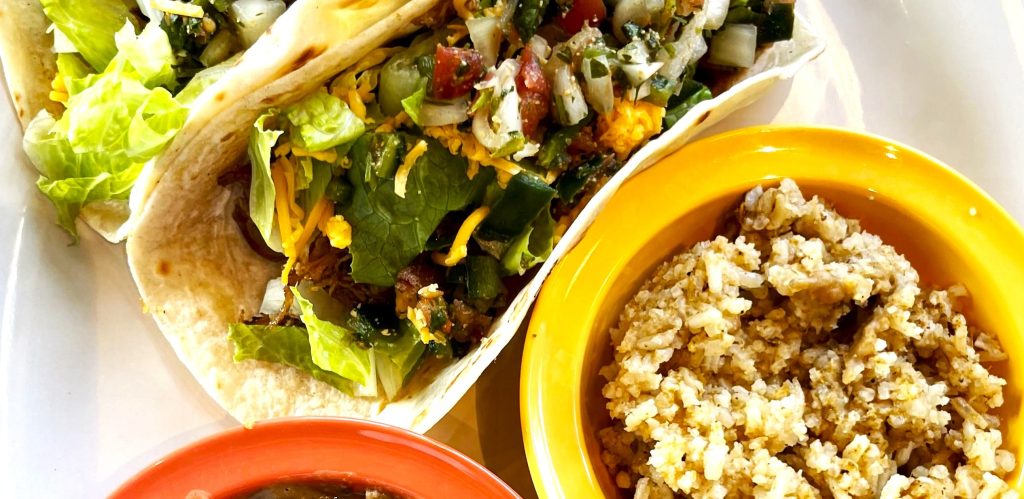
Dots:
{"x": 688, "y": 49}
{"x": 273, "y": 299}
{"x": 485, "y": 32}
{"x": 637, "y": 11}
{"x": 734, "y": 45}
{"x": 540, "y": 49}
{"x": 390, "y": 375}
{"x": 450, "y": 113}
{"x": 715, "y": 12}
{"x": 573, "y": 106}
{"x": 600, "y": 89}
{"x": 494, "y": 129}
{"x": 637, "y": 74}
{"x": 254, "y": 17}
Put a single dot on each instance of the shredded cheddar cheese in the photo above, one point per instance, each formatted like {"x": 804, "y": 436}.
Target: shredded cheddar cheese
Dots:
{"x": 338, "y": 231}
{"x": 321, "y": 208}
{"x": 458, "y": 32}
{"x": 284, "y": 221}
{"x": 628, "y": 125}
{"x": 59, "y": 92}
{"x": 362, "y": 77}
{"x": 178, "y": 8}
{"x": 402, "y": 175}
{"x": 462, "y": 9}
{"x": 390, "y": 124}
{"x": 459, "y": 250}
{"x": 355, "y": 103}
{"x": 465, "y": 143}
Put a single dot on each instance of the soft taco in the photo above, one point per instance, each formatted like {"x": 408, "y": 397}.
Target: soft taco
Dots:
{"x": 102, "y": 87}
{"x": 368, "y": 245}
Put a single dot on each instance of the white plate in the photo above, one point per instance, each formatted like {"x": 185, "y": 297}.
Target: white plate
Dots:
{"x": 90, "y": 393}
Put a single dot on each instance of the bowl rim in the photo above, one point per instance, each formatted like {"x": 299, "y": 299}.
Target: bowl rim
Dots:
{"x": 276, "y": 433}
{"x": 554, "y": 438}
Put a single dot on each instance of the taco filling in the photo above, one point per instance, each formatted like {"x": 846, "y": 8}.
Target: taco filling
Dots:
{"x": 406, "y": 197}
{"x": 126, "y": 75}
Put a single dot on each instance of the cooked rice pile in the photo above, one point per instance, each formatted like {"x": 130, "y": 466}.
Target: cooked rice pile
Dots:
{"x": 801, "y": 359}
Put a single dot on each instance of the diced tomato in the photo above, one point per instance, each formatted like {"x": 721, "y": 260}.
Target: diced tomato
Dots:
{"x": 581, "y": 12}
{"x": 534, "y": 92}
{"x": 456, "y": 70}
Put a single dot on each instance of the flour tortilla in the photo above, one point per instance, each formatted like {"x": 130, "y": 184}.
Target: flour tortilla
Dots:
{"x": 307, "y": 39}
{"x": 197, "y": 274}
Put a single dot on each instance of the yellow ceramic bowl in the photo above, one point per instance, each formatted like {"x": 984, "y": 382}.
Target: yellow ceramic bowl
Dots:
{"x": 950, "y": 230}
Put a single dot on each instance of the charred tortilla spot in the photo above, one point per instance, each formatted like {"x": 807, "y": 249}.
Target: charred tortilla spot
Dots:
{"x": 307, "y": 55}
{"x": 227, "y": 138}
{"x": 163, "y": 268}
{"x": 17, "y": 97}
{"x": 704, "y": 117}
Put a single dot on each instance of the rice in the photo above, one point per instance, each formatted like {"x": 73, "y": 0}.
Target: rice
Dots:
{"x": 801, "y": 358}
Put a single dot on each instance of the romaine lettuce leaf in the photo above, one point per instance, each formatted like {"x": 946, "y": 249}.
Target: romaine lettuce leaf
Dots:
{"x": 114, "y": 123}
{"x": 334, "y": 348}
{"x": 282, "y": 344}
{"x": 261, "y": 189}
{"x": 90, "y": 26}
{"x": 322, "y": 121}
{"x": 149, "y": 54}
{"x": 388, "y": 232}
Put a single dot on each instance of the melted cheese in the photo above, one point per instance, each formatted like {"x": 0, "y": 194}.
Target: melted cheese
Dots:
{"x": 402, "y": 175}
{"x": 59, "y": 92}
{"x": 459, "y": 249}
{"x": 458, "y": 32}
{"x": 628, "y": 125}
{"x": 355, "y": 103}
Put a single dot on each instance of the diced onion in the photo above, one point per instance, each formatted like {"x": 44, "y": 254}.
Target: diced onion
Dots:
{"x": 734, "y": 45}
{"x": 637, "y": 74}
{"x": 600, "y": 89}
{"x": 540, "y": 49}
{"x": 571, "y": 105}
{"x": 273, "y": 300}
{"x": 637, "y": 11}
{"x": 715, "y": 12}
{"x": 254, "y": 17}
{"x": 485, "y": 32}
{"x": 494, "y": 129}
{"x": 687, "y": 50}
{"x": 449, "y": 113}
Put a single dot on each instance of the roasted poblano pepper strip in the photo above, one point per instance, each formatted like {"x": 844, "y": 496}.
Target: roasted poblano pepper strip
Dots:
{"x": 385, "y": 149}
{"x": 571, "y": 183}
{"x": 524, "y": 197}
{"x": 483, "y": 279}
{"x": 692, "y": 93}
{"x": 778, "y": 25}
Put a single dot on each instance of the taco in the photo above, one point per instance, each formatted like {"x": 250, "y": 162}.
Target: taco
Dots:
{"x": 366, "y": 247}
{"x": 101, "y": 87}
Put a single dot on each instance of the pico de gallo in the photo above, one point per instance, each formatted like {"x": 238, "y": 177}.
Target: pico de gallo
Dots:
{"x": 407, "y": 197}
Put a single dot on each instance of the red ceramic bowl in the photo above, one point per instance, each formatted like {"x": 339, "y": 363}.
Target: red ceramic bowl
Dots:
{"x": 240, "y": 460}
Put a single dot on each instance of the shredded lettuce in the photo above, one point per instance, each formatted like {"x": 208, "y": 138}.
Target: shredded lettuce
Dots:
{"x": 261, "y": 190}
{"x": 115, "y": 122}
{"x": 334, "y": 348}
{"x": 388, "y": 232}
{"x": 322, "y": 121}
{"x": 90, "y": 26}
{"x": 284, "y": 345}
